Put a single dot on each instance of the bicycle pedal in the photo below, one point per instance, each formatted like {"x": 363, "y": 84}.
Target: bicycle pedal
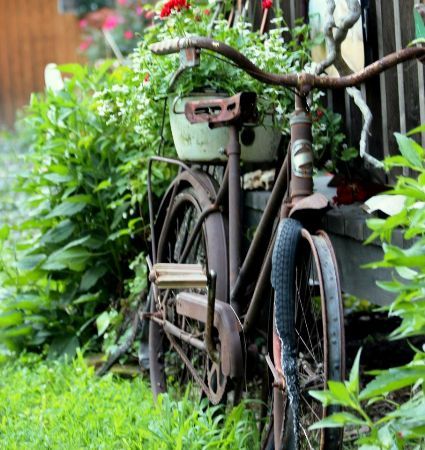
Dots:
{"x": 178, "y": 276}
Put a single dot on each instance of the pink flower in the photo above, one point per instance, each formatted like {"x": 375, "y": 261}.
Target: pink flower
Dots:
{"x": 111, "y": 22}
{"x": 128, "y": 34}
{"x": 267, "y": 4}
{"x": 149, "y": 14}
{"x": 86, "y": 44}
{"x": 139, "y": 10}
{"x": 122, "y": 2}
{"x": 83, "y": 23}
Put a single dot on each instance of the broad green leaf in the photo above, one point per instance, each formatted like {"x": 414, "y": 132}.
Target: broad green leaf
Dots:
{"x": 325, "y": 397}
{"x": 63, "y": 346}
{"x": 86, "y": 298}
{"x": 353, "y": 383}
{"x": 28, "y": 302}
{"x": 419, "y": 25}
{"x": 74, "y": 69}
{"x": 59, "y": 233}
{"x": 103, "y": 185}
{"x": 102, "y": 322}
{"x": 337, "y": 420}
{"x": 119, "y": 233}
{"x": 392, "y": 380}
{"x": 10, "y": 318}
{"x": 410, "y": 149}
{"x": 57, "y": 178}
{"x": 420, "y": 129}
{"x": 67, "y": 209}
{"x": 76, "y": 242}
{"x": 75, "y": 258}
{"x": 30, "y": 262}
{"x": 21, "y": 330}
{"x": 4, "y": 232}
{"x": 91, "y": 277}
{"x": 340, "y": 392}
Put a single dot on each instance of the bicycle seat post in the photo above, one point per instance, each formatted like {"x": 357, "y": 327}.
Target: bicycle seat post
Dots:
{"x": 234, "y": 155}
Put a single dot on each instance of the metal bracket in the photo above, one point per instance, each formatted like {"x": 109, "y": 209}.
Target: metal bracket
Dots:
{"x": 302, "y": 158}
{"x": 189, "y": 57}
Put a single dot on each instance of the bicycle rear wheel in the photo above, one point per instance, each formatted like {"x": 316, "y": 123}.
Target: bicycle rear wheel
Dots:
{"x": 181, "y": 241}
{"x": 309, "y": 338}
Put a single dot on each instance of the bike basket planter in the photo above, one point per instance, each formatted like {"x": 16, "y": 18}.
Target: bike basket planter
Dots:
{"x": 197, "y": 142}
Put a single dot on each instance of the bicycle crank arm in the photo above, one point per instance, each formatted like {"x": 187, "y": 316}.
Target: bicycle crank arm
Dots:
{"x": 195, "y": 306}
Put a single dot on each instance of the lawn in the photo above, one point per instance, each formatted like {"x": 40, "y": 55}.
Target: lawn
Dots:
{"x": 55, "y": 405}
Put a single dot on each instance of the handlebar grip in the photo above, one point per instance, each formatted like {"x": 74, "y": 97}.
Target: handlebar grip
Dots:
{"x": 166, "y": 47}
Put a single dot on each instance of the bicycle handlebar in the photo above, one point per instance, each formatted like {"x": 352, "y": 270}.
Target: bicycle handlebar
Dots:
{"x": 304, "y": 82}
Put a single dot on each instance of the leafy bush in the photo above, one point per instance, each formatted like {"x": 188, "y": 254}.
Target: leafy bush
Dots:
{"x": 41, "y": 408}
{"x": 85, "y": 186}
{"x": 403, "y": 427}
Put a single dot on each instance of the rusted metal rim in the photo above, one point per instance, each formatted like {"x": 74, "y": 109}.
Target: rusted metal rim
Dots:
{"x": 325, "y": 236}
{"x": 190, "y": 190}
{"x": 333, "y": 319}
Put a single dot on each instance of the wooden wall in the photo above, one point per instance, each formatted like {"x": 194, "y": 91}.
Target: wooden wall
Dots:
{"x": 32, "y": 34}
{"x": 396, "y": 98}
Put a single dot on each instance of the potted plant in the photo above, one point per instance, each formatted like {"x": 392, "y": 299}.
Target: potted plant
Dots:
{"x": 151, "y": 75}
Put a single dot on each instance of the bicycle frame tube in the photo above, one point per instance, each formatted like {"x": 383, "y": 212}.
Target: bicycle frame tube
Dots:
{"x": 301, "y": 184}
{"x": 300, "y": 161}
{"x": 234, "y": 155}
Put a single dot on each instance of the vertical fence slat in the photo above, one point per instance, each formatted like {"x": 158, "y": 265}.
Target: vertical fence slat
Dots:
{"x": 30, "y": 37}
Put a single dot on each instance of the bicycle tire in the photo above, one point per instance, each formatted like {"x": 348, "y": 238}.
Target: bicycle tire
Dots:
{"x": 309, "y": 332}
{"x": 209, "y": 249}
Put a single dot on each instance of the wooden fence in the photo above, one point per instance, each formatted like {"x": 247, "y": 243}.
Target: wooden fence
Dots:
{"x": 397, "y": 97}
{"x": 32, "y": 34}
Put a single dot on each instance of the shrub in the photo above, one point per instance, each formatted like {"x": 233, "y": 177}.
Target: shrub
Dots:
{"x": 85, "y": 211}
{"x": 403, "y": 427}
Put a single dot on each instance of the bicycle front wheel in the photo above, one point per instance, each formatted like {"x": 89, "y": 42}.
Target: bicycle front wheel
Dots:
{"x": 309, "y": 335}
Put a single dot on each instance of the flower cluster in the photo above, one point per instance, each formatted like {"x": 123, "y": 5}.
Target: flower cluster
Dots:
{"x": 176, "y": 5}
{"x": 267, "y": 4}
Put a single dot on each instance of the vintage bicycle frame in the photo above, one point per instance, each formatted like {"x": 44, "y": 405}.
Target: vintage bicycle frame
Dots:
{"x": 301, "y": 202}
{"x": 295, "y": 172}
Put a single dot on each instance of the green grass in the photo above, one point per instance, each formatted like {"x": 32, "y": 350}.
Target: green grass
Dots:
{"x": 53, "y": 405}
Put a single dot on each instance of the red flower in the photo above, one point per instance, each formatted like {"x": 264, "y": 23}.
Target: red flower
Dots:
{"x": 267, "y": 4}
{"x": 207, "y": 12}
{"x": 128, "y": 35}
{"x": 177, "y": 5}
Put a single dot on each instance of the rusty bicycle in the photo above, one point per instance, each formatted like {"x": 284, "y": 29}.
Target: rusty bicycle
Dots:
{"x": 271, "y": 316}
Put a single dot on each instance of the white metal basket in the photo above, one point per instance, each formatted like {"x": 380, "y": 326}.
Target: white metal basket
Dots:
{"x": 197, "y": 142}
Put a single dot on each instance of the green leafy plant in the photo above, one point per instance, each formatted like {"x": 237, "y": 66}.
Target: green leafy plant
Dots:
{"x": 84, "y": 186}
{"x": 41, "y": 408}
{"x": 271, "y": 52}
{"x": 403, "y": 425}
